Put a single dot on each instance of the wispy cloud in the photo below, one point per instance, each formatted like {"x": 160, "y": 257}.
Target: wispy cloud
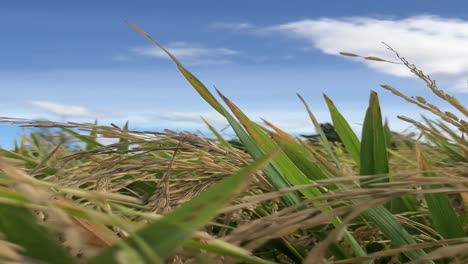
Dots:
{"x": 193, "y": 117}
{"x": 232, "y": 26}
{"x": 64, "y": 109}
{"x": 122, "y": 58}
{"x": 436, "y": 45}
{"x": 293, "y": 122}
{"x": 194, "y": 55}
{"x": 242, "y": 27}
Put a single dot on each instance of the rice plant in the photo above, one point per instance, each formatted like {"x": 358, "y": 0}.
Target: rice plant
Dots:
{"x": 269, "y": 197}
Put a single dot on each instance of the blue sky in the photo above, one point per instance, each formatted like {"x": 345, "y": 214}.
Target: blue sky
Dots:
{"x": 79, "y": 61}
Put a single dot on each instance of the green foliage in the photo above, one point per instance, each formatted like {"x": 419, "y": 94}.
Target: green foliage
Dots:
{"x": 18, "y": 225}
{"x": 347, "y": 135}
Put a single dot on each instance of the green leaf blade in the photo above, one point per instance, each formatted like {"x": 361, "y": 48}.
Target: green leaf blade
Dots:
{"x": 344, "y": 130}
{"x": 169, "y": 233}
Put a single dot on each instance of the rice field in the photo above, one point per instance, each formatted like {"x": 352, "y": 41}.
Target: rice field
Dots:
{"x": 265, "y": 197}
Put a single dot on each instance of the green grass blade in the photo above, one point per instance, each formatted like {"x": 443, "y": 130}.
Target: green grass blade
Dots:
{"x": 90, "y": 142}
{"x": 389, "y": 226}
{"x": 35, "y": 143}
{"x": 453, "y": 151}
{"x": 197, "y": 84}
{"x": 446, "y": 221}
{"x": 218, "y": 136}
{"x": 170, "y": 232}
{"x": 388, "y": 136}
{"x": 123, "y": 143}
{"x": 298, "y": 154}
{"x": 19, "y": 226}
{"x": 220, "y": 247}
{"x": 92, "y": 136}
{"x": 374, "y": 159}
{"x": 15, "y": 146}
{"x": 378, "y": 215}
{"x": 261, "y": 139}
{"x": 28, "y": 162}
{"x": 455, "y": 147}
{"x": 206, "y": 242}
{"x": 406, "y": 202}
{"x": 451, "y": 132}
{"x": 24, "y": 149}
{"x": 287, "y": 167}
{"x": 319, "y": 129}
{"x": 275, "y": 176}
{"x": 343, "y": 129}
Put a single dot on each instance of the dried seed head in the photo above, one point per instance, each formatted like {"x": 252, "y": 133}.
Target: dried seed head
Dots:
{"x": 445, "y": 118}
{"x": 440, "y": 93}
{"x": 374, "y": 59}
{"x": 454, "y": 117}
{"x": 407, "y": 119}
{"x": 393, "y": 90}
{"x": 421, "y": 99}
{"x": 433, "y": 107}
{"x": 349, "y": 54}
{"x": 464, "y": 123}
{"x": 388, "y": 87}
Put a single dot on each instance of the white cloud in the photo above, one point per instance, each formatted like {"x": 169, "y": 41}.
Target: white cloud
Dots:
{"x": 232, "y": 26}
{"x": 63, "y": 109}
{"x": 192, "y": 55}
{"x": 438, "y": 46}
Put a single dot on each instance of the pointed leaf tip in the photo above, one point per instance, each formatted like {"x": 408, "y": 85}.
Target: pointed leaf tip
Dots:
{"x": 373, "y": 96}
